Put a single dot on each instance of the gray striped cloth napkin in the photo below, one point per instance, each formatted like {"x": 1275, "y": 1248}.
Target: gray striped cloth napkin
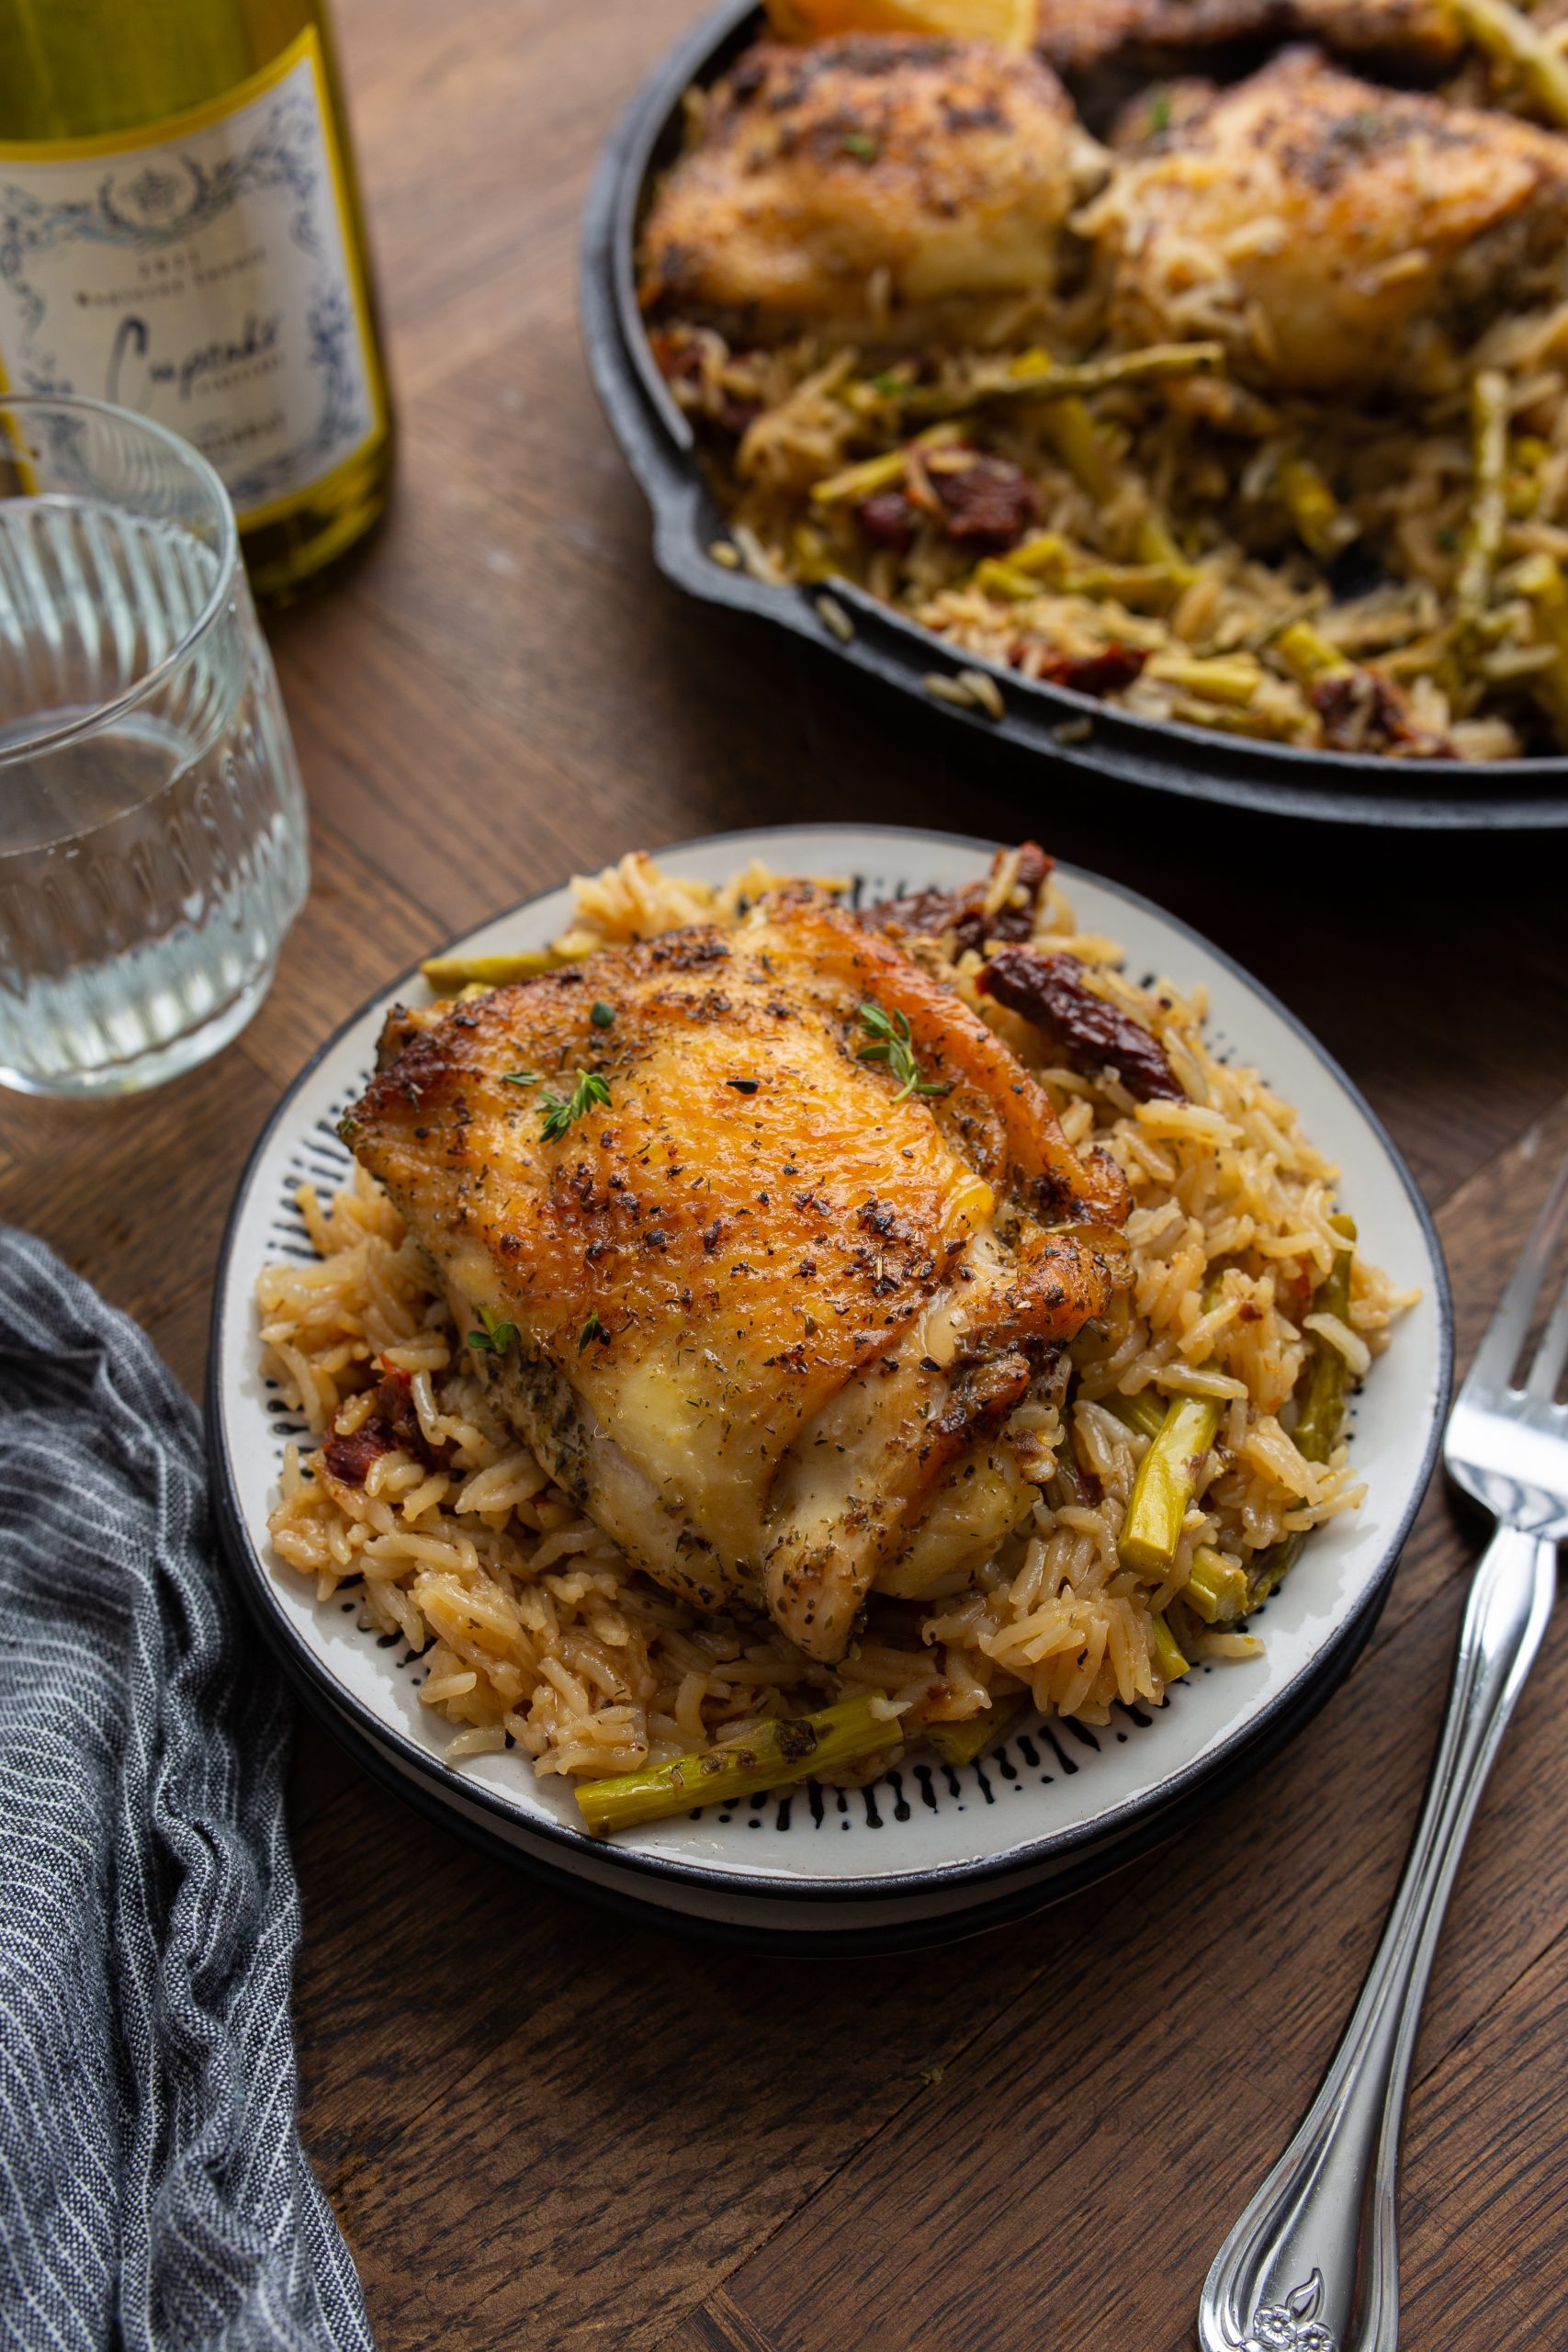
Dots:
{"x": 154, "y": 2191}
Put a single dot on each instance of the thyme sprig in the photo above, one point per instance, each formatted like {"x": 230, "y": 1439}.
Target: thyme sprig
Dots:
{"x": 496, "y": 1337}
{"x": 891, "y": 1042}
{"x": 561, "y": 1110}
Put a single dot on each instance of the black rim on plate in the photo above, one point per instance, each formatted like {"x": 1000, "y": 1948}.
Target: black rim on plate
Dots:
{"x": 1282, "y": 779}
{"x": 1141, "y": 1819}
{"x": 919, "y": 1933}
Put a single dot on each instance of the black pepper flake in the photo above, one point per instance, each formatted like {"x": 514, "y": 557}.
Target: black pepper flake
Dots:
{"x": 743, "y": 1085}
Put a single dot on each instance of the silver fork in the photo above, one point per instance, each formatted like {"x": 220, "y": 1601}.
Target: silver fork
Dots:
{"x": 1312, "y": 2264}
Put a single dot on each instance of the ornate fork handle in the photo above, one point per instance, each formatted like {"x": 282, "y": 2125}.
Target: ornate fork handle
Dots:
{"x": 1312, "y": 2264}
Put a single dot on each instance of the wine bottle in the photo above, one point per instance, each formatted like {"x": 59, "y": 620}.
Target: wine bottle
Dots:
{"x": 181, "y": 233}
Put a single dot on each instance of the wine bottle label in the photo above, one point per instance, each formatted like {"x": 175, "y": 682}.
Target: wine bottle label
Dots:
{"x": 203, "y": 272}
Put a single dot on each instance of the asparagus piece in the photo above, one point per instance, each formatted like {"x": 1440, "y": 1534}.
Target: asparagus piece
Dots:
{"x": 1157, "y": 546}
{"x": 1322, "y": 1392}
{"x": 856, "y": 484}
{"x": 1156, "y": 584}
{"x": 1001, "y": 579}
{"x": 1308, "y": 654}
{"x": 1074, "y": 435}
{"x": 1219, "y": 679}
{"x": 1489, "y": 510}
{"x": 1144, "y": 1412}
{"x": 1273, "y": 1566}
{"x": 1035, "y": 376}
{"x": 1078, "y": 442}
{"x": 961, "y": 1742}
{"x": 447, "y": 975}
{"x": 1169, "y": 1663}
{"x": 1166, "y": 1483}
{"x": 1322, "y": 1395}
{"x": 1510, "y": 37}
{"x": 1215, "y": 1590}
{"x": 795, "y": 1748}
{"x": 1157, "y": 581}
{"x": 1319, "y": 518}
{"x": 1540, "y": 579}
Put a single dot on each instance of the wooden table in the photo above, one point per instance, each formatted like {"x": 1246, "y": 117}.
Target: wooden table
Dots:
{"x": 541, "y": 2130}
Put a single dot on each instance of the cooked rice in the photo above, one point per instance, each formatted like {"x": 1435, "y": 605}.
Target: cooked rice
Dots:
{"x": 1194, "y": 556}
{"x": 534, "y": 1631}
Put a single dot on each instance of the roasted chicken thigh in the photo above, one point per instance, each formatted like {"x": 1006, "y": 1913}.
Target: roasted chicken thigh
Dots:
{"x": 1339, "y": 237}
{"x": 867, "y": 172}
{"x": 762, "y": 1305}
{"x": 1148, "y": 36}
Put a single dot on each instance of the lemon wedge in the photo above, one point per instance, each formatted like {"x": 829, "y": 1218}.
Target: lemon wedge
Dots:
{"x": 1012, "y": 24}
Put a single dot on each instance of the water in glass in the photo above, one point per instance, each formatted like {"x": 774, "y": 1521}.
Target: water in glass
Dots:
{"x": 152, "y": 823}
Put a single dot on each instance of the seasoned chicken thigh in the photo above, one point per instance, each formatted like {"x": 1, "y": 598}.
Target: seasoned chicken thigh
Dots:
{"x": 1339, "y": 237}
{"x": 1174, "y": 36}
{"x": 762, "y": 1306}
{"x": 940, "y": 167}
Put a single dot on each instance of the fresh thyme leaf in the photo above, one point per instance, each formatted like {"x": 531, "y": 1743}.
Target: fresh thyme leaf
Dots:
{"x": 520, "y": 1078}
{"x": 891, "y": 1042}
{"x": 886, "y": 384}
{"x": 1159, "y": 110}
{"x": 602, "y": 1014}
{"x": 861, "y": 145}
{"x": 592, "y": 1329}
{"x": 561, "y": 1110}
{"x": 496, "y": 1337}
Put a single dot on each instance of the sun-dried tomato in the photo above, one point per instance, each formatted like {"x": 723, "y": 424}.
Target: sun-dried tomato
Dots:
{"x": 1092, "y": 1034}
{"x": 1114, "y": 666}
{"x": 987, "y": 505}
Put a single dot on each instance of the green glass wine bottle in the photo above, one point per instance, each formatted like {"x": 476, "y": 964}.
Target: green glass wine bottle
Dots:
{"x": 181, "y": 232}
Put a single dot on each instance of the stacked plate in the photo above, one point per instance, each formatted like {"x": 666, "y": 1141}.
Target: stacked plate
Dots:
{"x": 929, "y": 1852}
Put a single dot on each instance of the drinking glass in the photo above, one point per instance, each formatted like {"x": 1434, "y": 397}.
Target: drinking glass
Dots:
{"x": 152, "y": 843}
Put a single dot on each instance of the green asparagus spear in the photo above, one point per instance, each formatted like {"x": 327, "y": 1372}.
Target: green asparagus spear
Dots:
{"x": 961, "y": 1742}
{"x": 1226, "y": 678}
{"x": 1166, "y": 1483}
{"x": 1035, "y": 375}
{"x": 1169, "y": 1664}
{"x": 1540, "y": 579}
{"x": 1510, "y": 37}
{"x": 1488, "y": 511}
{"x": 854, "y": 484}
{"x": 1215, "y": 1590}
{"x": 795, "y": 1748}
{"x": 1308, "y": 654}
{"x": 1144, "y": 1412}
{"x": 449, "y": 975}
{"x": 1322, "y": 1392}
{"x": 1319, "y": 518}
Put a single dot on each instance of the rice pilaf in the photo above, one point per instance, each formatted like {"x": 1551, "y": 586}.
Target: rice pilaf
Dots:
{"x": 533, "y": 1630}
{"x": 1274, "y": 442}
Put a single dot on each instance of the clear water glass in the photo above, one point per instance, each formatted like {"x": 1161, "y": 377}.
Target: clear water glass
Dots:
{"x": 153, "y": 838}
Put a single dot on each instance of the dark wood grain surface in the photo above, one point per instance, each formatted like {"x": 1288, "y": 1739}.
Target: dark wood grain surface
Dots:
{"x": 541, "y": 2130}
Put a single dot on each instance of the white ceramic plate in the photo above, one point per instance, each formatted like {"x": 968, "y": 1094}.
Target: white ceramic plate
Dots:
{"x": 927, "y": 1849}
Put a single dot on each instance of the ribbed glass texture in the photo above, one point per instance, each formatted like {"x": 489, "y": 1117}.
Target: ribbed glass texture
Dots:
{"x": 152, "y": 840}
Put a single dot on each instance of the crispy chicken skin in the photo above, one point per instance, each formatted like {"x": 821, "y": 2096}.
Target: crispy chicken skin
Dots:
{"x": 951, "y": 166}
{"x": 1340, "y": 238}
{"x": 770, "y": 1318}
{"x": 1170, "y": 36}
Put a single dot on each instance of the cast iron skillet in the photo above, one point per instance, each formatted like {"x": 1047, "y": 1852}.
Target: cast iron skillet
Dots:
{"x": 1164, "y": 755}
